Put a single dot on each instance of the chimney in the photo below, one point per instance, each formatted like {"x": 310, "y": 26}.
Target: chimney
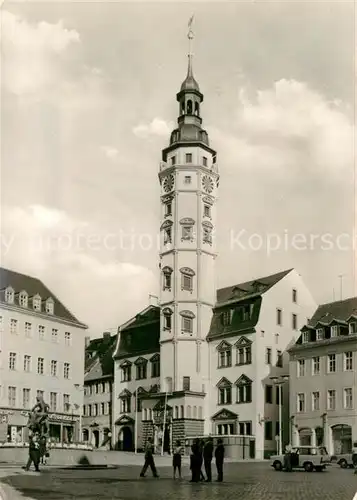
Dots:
{"x": 153, "y": 300}
{"x": 86, "y": 342}
{"x": 106, "y": 335}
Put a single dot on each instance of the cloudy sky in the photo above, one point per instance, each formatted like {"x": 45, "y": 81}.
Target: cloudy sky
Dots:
{"x": 88, "y": 102}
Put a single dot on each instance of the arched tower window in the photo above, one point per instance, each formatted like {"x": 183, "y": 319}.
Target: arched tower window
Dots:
{"x": 167, "y": 314}
{"x": 197, "y": 109}
{"x": 167, "y": 278}
{"x": 189, "y": 107}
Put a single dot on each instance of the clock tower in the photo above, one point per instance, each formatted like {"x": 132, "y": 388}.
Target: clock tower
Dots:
{"x": 189, "y": 181}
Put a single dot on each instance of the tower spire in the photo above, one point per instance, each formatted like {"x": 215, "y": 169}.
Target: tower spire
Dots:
{"x": 190, "y": 36}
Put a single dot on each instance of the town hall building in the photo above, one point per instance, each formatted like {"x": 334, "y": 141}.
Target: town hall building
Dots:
{"x": 200, "y": 362}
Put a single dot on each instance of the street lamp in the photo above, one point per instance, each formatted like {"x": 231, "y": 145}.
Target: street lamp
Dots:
{"x": 79, "y": 388}
{"x": 279, "y": 382}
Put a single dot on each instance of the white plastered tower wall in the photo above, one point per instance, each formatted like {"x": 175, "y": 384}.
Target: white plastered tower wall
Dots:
{"x": 189, "y": 182}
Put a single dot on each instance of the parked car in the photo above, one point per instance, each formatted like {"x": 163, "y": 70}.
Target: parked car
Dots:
{"x": 308, "y": 458}
{"x": 344, "y": 460}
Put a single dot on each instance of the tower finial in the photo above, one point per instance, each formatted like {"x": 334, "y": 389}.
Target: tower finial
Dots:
{"x": 190, "y": 36}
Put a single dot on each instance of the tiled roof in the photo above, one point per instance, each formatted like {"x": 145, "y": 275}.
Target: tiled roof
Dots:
{"x": 33, "y": 286}
{"x": 340, "y": 310}
{"x": 256, "y": 286}
{"x": 141, "y": 335}
{"x": 101, "y": 364}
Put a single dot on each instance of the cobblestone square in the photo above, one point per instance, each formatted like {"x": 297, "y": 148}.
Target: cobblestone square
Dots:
{"x": 248, "y": 481}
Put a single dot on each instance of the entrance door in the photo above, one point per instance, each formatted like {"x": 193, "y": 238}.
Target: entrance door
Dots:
{"x": 96, "y": 438}
{"x": 167, "y": 439}
{"x": 127, "y": 439}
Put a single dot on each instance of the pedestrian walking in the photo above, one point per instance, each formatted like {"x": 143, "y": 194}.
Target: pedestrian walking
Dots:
{"x": 34, "y": 452}
{"x": 287, "y": 459}
{"x": 354, "y": 456}
{"x": 202, "y": 445}
{"x": 207, "y": 458}
{"x": 149, "y": 459}
{"x": 177, "y": 459}
{"x": 219, "y": 455}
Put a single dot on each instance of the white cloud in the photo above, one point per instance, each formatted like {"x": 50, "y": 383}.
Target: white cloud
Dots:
{"x": 156, "y": 127}
{"x": 101, "y": 290}
{"x": 30, "y": 52}
{"x": 110, "y": 152}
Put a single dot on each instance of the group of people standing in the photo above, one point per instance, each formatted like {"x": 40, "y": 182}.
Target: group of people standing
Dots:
{"x": 201, "y": 454}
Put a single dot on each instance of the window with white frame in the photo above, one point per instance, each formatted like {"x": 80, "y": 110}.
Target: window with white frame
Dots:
{"x": 168, "y": 235}
{"x": 348, "y": 398}
{"x": 67, "y": 338}
{"x": 316, "y": 365}
{"x": 40, "y": 366}
{"x": 53, "y": 401}
{"x": 348, "y": 361}
{"x": 12, "y": 396}
{"x": 23, "y": 299}
{"x": 66, "y": 370}
{"x": 27, "y": 363}
{"x": 187, "y": 179}
{"x": 320, "y": 333}
{"x": 41, "y": 332}
{"x": 294, "y": 321}
{"x": 54, "y": 335}
{"x": 331, "y": 363}
{"x": 188, "y": 157}
{"x": 13, "y": 325}
{"x": 245, "y": 428}
{"x": 9, "y": 295}
{"x": 331, "y": 400}
{"x": 167, "y": 278}
{"x": 244, "y": 355}
{"x": 207, "y": 233}
{"x": 301, "y": 368}
{"x": 141, "y": 369}
{"x": 28, "y": 329}
{"x": 12, "y": 361}
{"x": 125, "y": 404}
{"x": 335, "y": 331}
{"x": 226, "y": 317}
{"x": 66, "y": 403}
{"x": 49, "y": 306}
{"x": 26, "y": 398}
{"x": 225, "y": 394}
{"x": 316, "y": 401}
{"x": 36, "y": 302}
{"x": 224, "y": 356}
{"x": 244, "y": 390}
{"x": 352, "y": 328}
{"x": 300, "y": 402}
{"x": 187, "y": 275}
{"x": 54, "y": 368}
{"x": 305, "y": 337}
{"x": 187, "y": 321}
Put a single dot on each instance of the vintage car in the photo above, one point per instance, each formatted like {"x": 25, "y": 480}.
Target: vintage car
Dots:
{"x": 304, "y": 457}
{"x": 344, "y": 460}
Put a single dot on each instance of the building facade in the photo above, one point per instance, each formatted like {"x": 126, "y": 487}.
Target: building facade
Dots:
{"x": 98, "y": 391}
{"x": 323, "y": 378}
{"x": 41, "y": 352}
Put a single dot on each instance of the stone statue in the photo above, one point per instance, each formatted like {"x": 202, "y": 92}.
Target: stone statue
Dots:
{"x": 39, "y": 417}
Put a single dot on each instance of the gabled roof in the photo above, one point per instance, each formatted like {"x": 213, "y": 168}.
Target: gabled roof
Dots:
{"x": 225, "y": 414}
{"x": 99, "y": 358}
{"x": 140, "y": 335}
{"x": 33, "y": 286}
{"x": 340, "y": 311}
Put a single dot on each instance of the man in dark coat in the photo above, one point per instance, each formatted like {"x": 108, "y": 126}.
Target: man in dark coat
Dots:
{"x": 219, "y": 454}
{"x": 149, "y": 459}
{"x": 34, "y": 452}
{"x": 207, "y": 458}
{"x": 196, "y": 461}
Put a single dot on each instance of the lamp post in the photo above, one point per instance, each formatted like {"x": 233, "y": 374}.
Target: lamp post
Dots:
{"x": 80, "y": 389}
{"x": 279, "y": 382}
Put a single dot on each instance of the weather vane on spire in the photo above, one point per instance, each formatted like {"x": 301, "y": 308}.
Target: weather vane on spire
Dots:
{"x": 190, "y": 36}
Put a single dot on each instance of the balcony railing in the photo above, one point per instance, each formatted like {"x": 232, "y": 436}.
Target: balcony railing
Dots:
{"x": 164, "y": 165}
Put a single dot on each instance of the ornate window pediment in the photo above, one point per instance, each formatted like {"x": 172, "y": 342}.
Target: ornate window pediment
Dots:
{"x": 225, "y": 414}
{"x": 242, "y": 341}
{"x": 167, "y": 270}
{"x": 187, "y": 314}
{"x": 224, "y": 346}
{"x": 167, "y": 311}
{"x": 125, "y": 394}
{"x": 155, "y": 357}
{"x": 140, "y": 361}
{"x": 207, "y": 224}
{"x": 125, "y": 363}
{"x": 167, "y": 198}
{"x": 188, "y": 271}
{"x": 166, "y": 224}
{"x": 154, "y": 389}
{"x": 243, "y": 380}
{"x": 224, "y": 382}
{"x": 208, "y": 200}
{"x": 141, "y": 391}
{"x": 187, "y": 221}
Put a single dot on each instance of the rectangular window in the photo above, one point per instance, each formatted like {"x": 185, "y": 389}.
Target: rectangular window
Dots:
{"x": 141, "y": 371}
{"x": 315, "y": 401}
{"x": 319, "y": 334}
{"x": 331, "y": 400}
{"x": 305, "y": 337}
{"x": 67, "y": 338}
{"x": 301, "y": 368}
{"x": 66, "y": 369}
{"x": 335, "y": 330}
{"x": 225, "y": 358}
{"x": 102, "y": 408}
{"x": 294, "y": 321}
{"x": 227, "y": 317}
{"x": 40, "y": 365}
{"x": 167, "y": 281}
{"x": 12, "y": 361}
{"x": 40, "y": 393}
{"x": 28, "y": 329}
{"x": 54, "y": 368}
{"x": 187, "y": 233}
{"x": 53, "y": 401}
{"x": 167, "y": 321}
{"x": 187, "y": 325}
{"x": 244, "y": 355}
{"x": 41, "y": 332}
{"x": 268, "y": 356}
{"x": 268, "y": 430}
{"x": 207, "y": 211}
{"x": 167, "y": 235}
{"x": 301, "y": 402}
{"x": 331, "y": 363}
{"x": 26, "y": 398}
{"x": 279, "y": 317}
{"x": 187, "y": 179}
{"x": 188, "y": 158}
{"x": 27, "y": 363}
{"x": 13, "y": 325}
{"x": 168, "y": 209}
{"x": 204, "y": 161}
{"x": 186, "y": 383}
{"x": 155, "y": 368}
{"x": 225, "y": 396}
{"x": 66, "y": 403}
{"x": 12, "y": 396}
{"x": 352, "y": 328}
{"x": 294, "y": 295}
{"x": 125, "y": 405}
{"x": 348, "y": 398}
{"x": 348, "y": 361}
{"x": 244, "y": 393}
{"x": 279, "y": 362}
{"x": 186, "y": 282}
{"x": 316, "y": 365}
{"x": 269, "y": 394}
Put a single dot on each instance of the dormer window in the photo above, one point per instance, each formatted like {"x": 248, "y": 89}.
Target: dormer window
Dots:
{"x": 320, "y": 334}
{"x": 9, "y": 295}
{"x": 36, "y": 302}
{"x": 23, "y": 299}
{"x": 305, "y": 337}
{"x": 353, "y": 328}
{"x": 49, "y": 306}
{"x": 226, "y": 317}
{"x": 335, "y": 331}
